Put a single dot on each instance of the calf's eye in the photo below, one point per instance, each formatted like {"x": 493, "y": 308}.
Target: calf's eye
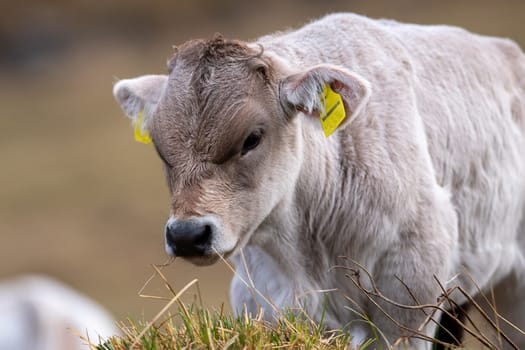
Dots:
{"x": 251, "y": 142}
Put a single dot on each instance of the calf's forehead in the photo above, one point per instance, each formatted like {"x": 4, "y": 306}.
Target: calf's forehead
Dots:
{"x": 183, "y": 113}
{"x": 191, "y": 109}
{"x": 213, "y": 85}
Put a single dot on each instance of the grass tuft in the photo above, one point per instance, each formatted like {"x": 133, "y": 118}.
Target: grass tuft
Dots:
{"x": 193, "y": 327}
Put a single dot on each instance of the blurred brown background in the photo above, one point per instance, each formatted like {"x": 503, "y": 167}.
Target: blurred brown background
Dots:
{"x": 79, "y": 199}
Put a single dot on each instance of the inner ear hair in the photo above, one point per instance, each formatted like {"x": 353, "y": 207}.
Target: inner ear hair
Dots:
{"x": 258, "y": 63}
{"x": 301, "y": 91}
{"x": 139, "y": 94}
{"x": 260, "y": 67}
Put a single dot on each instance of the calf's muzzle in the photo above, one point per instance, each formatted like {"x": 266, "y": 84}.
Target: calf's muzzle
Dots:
{"x": 190, "y": 237}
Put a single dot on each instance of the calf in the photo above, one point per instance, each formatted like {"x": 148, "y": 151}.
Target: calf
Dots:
{"x": 422, "y": 180}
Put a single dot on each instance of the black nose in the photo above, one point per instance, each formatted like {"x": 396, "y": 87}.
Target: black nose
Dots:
{"x": 188, "y": 237}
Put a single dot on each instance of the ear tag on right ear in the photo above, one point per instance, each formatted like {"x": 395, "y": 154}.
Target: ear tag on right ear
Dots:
{"x": 141, "y": 134}
{"x": 333, "y": 112}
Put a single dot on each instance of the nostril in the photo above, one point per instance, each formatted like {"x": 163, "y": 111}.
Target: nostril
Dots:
{"x": 170, "y": 239}
{"x": 203, "y": 239}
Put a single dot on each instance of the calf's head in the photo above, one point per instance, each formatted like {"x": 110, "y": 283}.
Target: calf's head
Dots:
{"x": 224, "y": 122}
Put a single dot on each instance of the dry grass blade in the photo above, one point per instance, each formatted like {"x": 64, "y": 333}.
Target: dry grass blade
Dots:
{"x": 374, "y": 293}
{"x": 250, "y": 285}
{"x": 84, "y": 338}
{"x": 159, "y": 273}
{"x": 494, "y": 310}
{"x": 161, "y": 312}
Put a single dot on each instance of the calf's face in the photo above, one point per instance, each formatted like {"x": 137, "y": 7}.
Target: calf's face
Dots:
{"x": 223, "y": 122}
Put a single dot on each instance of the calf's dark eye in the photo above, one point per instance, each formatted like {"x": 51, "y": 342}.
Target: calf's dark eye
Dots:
{"x": 251, "y": 142}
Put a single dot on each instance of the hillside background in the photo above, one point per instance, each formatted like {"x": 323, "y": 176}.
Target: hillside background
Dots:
{"x": 79, "y": 199}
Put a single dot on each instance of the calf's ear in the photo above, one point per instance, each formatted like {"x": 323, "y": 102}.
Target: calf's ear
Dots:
{"x": 139, "y": 95}
{"x": 303, "y": 92}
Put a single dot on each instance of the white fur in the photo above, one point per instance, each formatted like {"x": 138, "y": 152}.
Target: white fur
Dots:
{"x": 436, "y": 121}
{"x": 140, "y": 95}
{"x": 37, "y": 312}
{"x": 359, "y": 335}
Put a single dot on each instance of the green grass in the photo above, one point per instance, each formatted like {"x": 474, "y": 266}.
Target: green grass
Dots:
{"x": 193, "y": 327}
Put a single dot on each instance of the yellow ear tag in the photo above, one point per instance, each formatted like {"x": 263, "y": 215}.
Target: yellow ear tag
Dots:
{"x": 141, "y": 135}
{"x": 333, "y": 112}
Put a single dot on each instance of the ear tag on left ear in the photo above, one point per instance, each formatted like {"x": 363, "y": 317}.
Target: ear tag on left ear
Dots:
{"x": 141, "y": 134}
{"x": 333, "y": 112}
